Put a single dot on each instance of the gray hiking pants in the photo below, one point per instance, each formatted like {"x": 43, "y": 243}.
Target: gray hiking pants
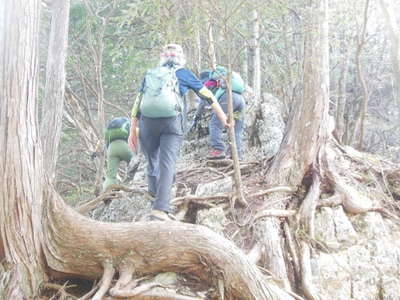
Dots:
{"x": 160, "y": 140}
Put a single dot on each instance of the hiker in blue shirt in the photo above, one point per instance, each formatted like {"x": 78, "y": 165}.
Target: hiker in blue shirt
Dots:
{"x": 215, "y": 81}
{"x": 159, "y": 111}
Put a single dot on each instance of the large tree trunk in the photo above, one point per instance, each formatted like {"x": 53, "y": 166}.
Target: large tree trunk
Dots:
{"x": 306, "y": 131}
{"x": 307, "y": 126}
{"x": 53, "y": 103}
{"x": 20, "y": 161}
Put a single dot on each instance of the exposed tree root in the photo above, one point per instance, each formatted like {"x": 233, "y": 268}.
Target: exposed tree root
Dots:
{"x": 126, "y": 270}
{"x": 105, "y": 281}
{"x": 197, "y": 171}
{"x": 92, "y": 204}
{"x": 220, "y": 162}
{"x": 294, "y": 256}
{"x": 132, "y": 292}
{"x": 189, "y": 198}
{"x": 308, "y": 206}
{"x": 272, "y": 190}
{"x": 176, "y": 247}
{"x": 353, "y": 201}
{"x": 334, "y": 200}
{"x": 61, "y": 293}
{"x": 159, "y": 294}
{"x": 280, "y": 213}
{"x": 306, "y": 227}
{"x": 268, "y": 234}
{"x": 306, "y": 274}
{"x": 255, "y": 253}
{"x": 221, "y": 289}
{"x": 110, "y": 193}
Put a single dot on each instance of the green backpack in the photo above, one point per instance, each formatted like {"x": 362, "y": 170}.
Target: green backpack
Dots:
{"x": 160, "y": 94}
{"x": 117, "y": 129}
{"x": 238, "y": 85}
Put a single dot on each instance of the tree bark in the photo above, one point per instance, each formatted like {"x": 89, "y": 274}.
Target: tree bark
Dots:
{"x": 307, "y": 129}
{"x": 53, "y": 103}
{"x": 21, "y": 159}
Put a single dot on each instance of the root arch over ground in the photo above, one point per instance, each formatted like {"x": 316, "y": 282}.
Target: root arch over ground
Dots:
{"x": 80, "y": 246}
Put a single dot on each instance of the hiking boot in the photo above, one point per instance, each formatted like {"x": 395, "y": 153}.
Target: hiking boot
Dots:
{"x": 216, "y": 154}
{"x": 159, "y": 215}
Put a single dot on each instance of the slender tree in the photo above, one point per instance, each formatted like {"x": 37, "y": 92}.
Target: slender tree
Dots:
{"x": 53, "y": 103}
{"x": 361, "y": 39}
{"x": 255, "y": 42}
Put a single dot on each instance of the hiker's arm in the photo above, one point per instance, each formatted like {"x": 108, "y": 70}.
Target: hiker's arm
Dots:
{"x": 206, "y": 94}
{"x": 133, "y": 133}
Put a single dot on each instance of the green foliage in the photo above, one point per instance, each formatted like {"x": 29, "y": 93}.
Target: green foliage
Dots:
{"x": 128, "y": 37}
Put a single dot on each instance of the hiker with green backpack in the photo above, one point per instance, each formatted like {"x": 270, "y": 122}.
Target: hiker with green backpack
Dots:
{"x": 160, "y": 111}
{"x": 215, "y": 81}
{"x": 118, "y": 150}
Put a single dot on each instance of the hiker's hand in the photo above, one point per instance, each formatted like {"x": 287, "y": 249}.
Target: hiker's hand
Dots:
{"x": 220, "y": 114}
{"x": 133, "y": 140}
{"x": 225, "y": 123}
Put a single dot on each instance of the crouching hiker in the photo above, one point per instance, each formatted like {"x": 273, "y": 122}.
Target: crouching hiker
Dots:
{"x": 118, "y": 150}
{"x": 217, "y": 79}
{"x": 159, "y": 111}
